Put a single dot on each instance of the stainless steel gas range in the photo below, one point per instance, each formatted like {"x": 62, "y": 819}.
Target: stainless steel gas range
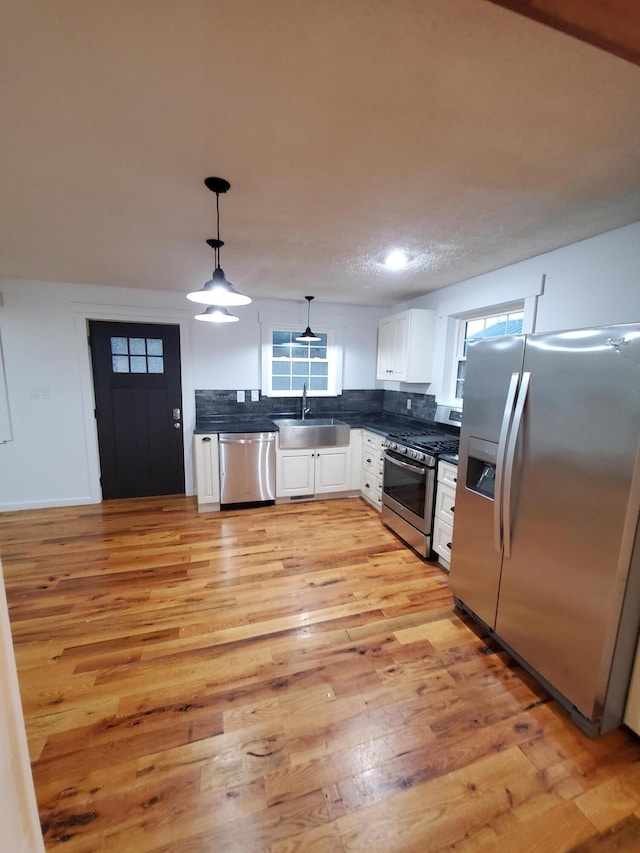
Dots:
{"x": 409, "y": 483}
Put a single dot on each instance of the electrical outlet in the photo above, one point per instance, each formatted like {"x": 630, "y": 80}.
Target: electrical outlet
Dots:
{"x": 408, "y": 402}
{"x": 255, "y": 395}
{"x": 240, "y": 396}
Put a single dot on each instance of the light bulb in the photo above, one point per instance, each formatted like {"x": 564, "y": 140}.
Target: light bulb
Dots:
{"x": 397, "y": 259}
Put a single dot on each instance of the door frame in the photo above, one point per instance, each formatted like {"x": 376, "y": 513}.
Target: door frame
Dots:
{"x": 81, "y": 314}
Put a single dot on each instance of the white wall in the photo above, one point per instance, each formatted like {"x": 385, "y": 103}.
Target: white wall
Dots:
{"x": 227, "y": 357}
{"x": 595, "y": 282}
{"x": 53, "y": 458}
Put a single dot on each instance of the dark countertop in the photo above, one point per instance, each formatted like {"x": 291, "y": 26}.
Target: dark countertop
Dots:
{"x": 377, "y": 422}
{"x": 233, "y": 424}
{"x": 449, "y": 457}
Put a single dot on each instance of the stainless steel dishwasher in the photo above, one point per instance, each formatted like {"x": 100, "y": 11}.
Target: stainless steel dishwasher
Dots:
{"x": 247, "y": 467}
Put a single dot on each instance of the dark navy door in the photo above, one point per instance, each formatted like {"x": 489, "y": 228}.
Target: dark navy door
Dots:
{"x": 138, "y": 395}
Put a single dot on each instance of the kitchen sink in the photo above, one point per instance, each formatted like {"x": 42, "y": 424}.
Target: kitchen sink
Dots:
{"x": 296, "y": 434}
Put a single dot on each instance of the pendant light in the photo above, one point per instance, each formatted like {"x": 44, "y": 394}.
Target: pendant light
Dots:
{"x": 308, "y": 335}
{"x": 217, "y": 314}
{"x": 218, "y": 291}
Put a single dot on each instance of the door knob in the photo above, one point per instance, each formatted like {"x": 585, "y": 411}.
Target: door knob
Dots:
{"x": 176, "y": 425}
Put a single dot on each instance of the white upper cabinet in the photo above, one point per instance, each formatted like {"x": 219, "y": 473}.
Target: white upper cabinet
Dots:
{"x": 405, "y": 346}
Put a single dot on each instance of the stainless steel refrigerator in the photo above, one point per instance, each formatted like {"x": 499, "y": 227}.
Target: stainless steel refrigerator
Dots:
{"x": 544, "y": 551}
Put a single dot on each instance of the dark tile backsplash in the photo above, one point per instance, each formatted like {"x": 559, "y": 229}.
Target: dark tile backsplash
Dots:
{"x": 423, "y": 406}
{"x": 211, "y": 404}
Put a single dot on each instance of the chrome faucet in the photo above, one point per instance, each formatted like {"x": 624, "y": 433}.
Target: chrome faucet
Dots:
{"x": 305, "y": 409}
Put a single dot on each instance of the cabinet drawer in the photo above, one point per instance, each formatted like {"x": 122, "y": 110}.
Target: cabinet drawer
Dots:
{"x": 442, "y": 536}
{"x": 445, "y": 503}
{"x": 371, "y": 488}
{"x": 372, "y": 440}
{"x": 372, "y": 460}
{"x": 447, "y": 473}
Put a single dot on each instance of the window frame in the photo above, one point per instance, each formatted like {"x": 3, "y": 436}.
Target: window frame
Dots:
{"x": 461, "y": 323}
{"x": 333, "y": 360}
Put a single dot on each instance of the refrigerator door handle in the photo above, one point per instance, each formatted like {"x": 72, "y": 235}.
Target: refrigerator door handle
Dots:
{"x": 502, "y": 447}
{"x": 510, "y": 456}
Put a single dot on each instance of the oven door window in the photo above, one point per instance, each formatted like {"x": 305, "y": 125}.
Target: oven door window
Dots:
{"x": 406, "y": 484}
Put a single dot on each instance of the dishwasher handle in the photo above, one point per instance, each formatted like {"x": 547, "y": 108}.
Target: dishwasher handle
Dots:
{"x": 245, "y": 437}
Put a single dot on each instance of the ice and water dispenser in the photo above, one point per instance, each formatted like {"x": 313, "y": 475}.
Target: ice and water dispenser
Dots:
{"x": 481, "y": 467}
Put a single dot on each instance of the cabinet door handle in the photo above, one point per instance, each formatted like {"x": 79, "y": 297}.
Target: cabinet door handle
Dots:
{"x": 449, "y": 545}
{"x": 206, "y": 438}
{"x": 368, "y": 460}
{"x": 452, "y": 510}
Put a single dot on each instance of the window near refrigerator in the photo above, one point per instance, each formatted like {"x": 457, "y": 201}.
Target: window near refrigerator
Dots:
{"x": 476, "y": 328}
{"x": 291, "y": 364}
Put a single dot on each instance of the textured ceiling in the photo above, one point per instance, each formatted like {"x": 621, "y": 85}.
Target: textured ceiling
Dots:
{"x": 459, "y": 130}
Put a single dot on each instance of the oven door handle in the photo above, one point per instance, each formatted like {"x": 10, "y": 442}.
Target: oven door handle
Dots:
{"x": 421, "y": 470}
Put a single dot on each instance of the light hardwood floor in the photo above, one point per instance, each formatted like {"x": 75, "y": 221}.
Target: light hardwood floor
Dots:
{"x": 279, "y": 679}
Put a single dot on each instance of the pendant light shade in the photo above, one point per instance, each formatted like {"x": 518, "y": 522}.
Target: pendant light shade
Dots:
{"x": 216, "y": 314}
{"x": 218, "y": 291}
{"x": 308, "y": 335}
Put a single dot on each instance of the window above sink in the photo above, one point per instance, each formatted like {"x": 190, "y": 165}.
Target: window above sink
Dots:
{"x": 288, "y": 364}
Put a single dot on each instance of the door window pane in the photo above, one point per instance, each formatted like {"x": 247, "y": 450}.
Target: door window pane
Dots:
{"x": 137, "y": 355}
{"x": 119, "y": 346}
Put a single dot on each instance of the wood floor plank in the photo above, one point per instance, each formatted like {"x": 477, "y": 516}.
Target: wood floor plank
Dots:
{"x": 277, "y": 679}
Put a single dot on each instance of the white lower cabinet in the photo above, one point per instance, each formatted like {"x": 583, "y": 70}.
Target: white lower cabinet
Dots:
{"x": 305, "y": 473}
{"x": 444, "y": 512}
{"x": 371, "y": 468}
{"x": 205, "y": 454}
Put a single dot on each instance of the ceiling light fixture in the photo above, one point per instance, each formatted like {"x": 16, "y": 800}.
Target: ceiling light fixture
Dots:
{"x": 217, "y": 314}
{"x": 218, "y": 291}
{"x": 397, "y": 259}
{"x": 308, "y": 335}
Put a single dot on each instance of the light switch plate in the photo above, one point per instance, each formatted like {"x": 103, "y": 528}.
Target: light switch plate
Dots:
{"x": 240, "y": 396}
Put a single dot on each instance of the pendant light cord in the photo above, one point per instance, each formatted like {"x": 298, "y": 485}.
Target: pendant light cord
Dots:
{"x": 218, "y": 225}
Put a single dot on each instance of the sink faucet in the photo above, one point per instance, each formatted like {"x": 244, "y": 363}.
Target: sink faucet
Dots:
{"x": 305, "y": 409}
